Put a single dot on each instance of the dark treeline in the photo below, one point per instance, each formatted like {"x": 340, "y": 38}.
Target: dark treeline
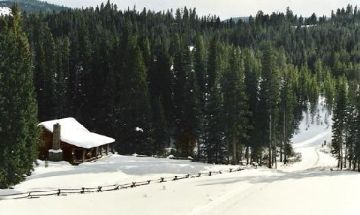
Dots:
{"x": 218, "y": 91}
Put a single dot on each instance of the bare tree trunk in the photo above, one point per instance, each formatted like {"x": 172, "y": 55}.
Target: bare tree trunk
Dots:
{"x": 198, "y": 150}
{"x": 341, "y": 155}
{"x": 247, "y": 155}
{"x": 275, "y": 155}
{"x": 235, "y": 160}
{"x": 270, "y": 146}
{"x": 354, "y": 165}
{"x": 240, "y": 152}
{"x": 345, "y": 158}
{"x": 284, "y": 137}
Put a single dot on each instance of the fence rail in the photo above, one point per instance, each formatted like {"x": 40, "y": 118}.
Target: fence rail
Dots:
{"x": 108, "y": 188}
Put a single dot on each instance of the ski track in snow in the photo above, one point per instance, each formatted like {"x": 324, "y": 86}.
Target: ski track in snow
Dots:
{"x": 240, "y": 200}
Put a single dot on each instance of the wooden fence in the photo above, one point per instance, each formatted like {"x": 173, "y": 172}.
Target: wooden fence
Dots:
{"x": 108, "y": 188}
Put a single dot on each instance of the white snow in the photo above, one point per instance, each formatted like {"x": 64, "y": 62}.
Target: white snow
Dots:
{"x": 74, "y": 133}
{"x": 307, "y": 187}
{"x": 55, "y": 150}
{"x": 139, "y": 129}
{"x": 4, "y": 11}
{"x": 113, "y": 169}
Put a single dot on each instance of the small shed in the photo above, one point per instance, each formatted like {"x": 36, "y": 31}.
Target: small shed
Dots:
{"x": 66, "y": 139}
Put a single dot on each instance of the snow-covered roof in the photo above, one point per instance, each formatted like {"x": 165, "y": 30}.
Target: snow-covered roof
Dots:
{"x": 74, "y": 133}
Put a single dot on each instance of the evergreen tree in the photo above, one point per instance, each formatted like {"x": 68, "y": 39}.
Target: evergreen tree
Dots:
{"x": 18, "y": 112}
{"x": 235, "y": 105}
{"x": 61, "y": 96}
{"x": 200, "y": 72}
{"x": 214, "y": 128}
{"x": 45, "y": 71}
{"x": 269, "y": 96}
{"x": 252, "y": 70}
{"x": 160, "y": 135}
{"x": 339, "y": 118}
{"x": 132, "y": 108}
{"x": 287, "y": 111}
{"x": 186, "y": 103}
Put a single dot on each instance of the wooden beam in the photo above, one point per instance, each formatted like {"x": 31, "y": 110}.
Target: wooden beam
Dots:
{"x": 73, "y": 158}
{"x": 83, "y": 155}
{"x": 113, "y": 148}
{"x": 107, "y": 149}
{"x": 97, "y": 152}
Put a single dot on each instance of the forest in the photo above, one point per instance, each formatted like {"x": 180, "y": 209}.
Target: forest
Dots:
{"x": 218, "y": 91}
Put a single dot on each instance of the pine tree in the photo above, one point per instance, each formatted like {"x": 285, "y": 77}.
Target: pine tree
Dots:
{"x": 200, "y": 71}
{"x": 214, "y": 129}
{"x": 134, "y": 106}
{"x": 269, "y": 96}
{"x": 351, "y": 127}
{"x": 356, "y": 123}
{"x": 287, "y": 111}
{"x": 235, "y": 105}
{"x": 18, "y": 111}
{"x": 339, "y": 118}
{"x": 160, "y": 135}
{"x": 61, "y": 93}
{"x": 252, "y": 72}
{"x": 186, "y": 103}
{"x": 45, "y": 71}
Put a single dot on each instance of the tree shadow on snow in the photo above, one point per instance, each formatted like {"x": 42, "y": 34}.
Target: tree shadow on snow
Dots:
{"x": 279, "y": 176}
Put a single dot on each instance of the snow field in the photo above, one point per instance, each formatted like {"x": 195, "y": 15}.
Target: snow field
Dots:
{"x": 307, "y": 187}
{"x": 114, "y": 169}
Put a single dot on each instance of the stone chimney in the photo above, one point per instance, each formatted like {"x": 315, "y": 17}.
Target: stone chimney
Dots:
{"x": 56, "y": 136}
{"x": 55, "y": 154}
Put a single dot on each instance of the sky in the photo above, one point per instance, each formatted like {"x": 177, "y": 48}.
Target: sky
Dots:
{"x": 225, "y": 8}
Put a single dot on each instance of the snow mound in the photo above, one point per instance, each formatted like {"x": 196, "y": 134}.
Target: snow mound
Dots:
{"x": 5, "y": 11}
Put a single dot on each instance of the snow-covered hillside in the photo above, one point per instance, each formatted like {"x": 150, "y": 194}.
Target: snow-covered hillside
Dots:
{"x": 5, "y": 11}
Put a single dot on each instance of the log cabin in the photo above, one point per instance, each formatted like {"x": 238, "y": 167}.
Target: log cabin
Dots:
{"x": 67, "y": 140}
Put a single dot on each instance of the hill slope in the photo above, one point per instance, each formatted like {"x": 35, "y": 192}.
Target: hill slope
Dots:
{"x": 31, "y": 6}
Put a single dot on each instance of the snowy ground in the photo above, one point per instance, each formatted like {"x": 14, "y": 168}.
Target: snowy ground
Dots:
{"x": 114, "y": 169}
{"x": 307, "y": 187}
